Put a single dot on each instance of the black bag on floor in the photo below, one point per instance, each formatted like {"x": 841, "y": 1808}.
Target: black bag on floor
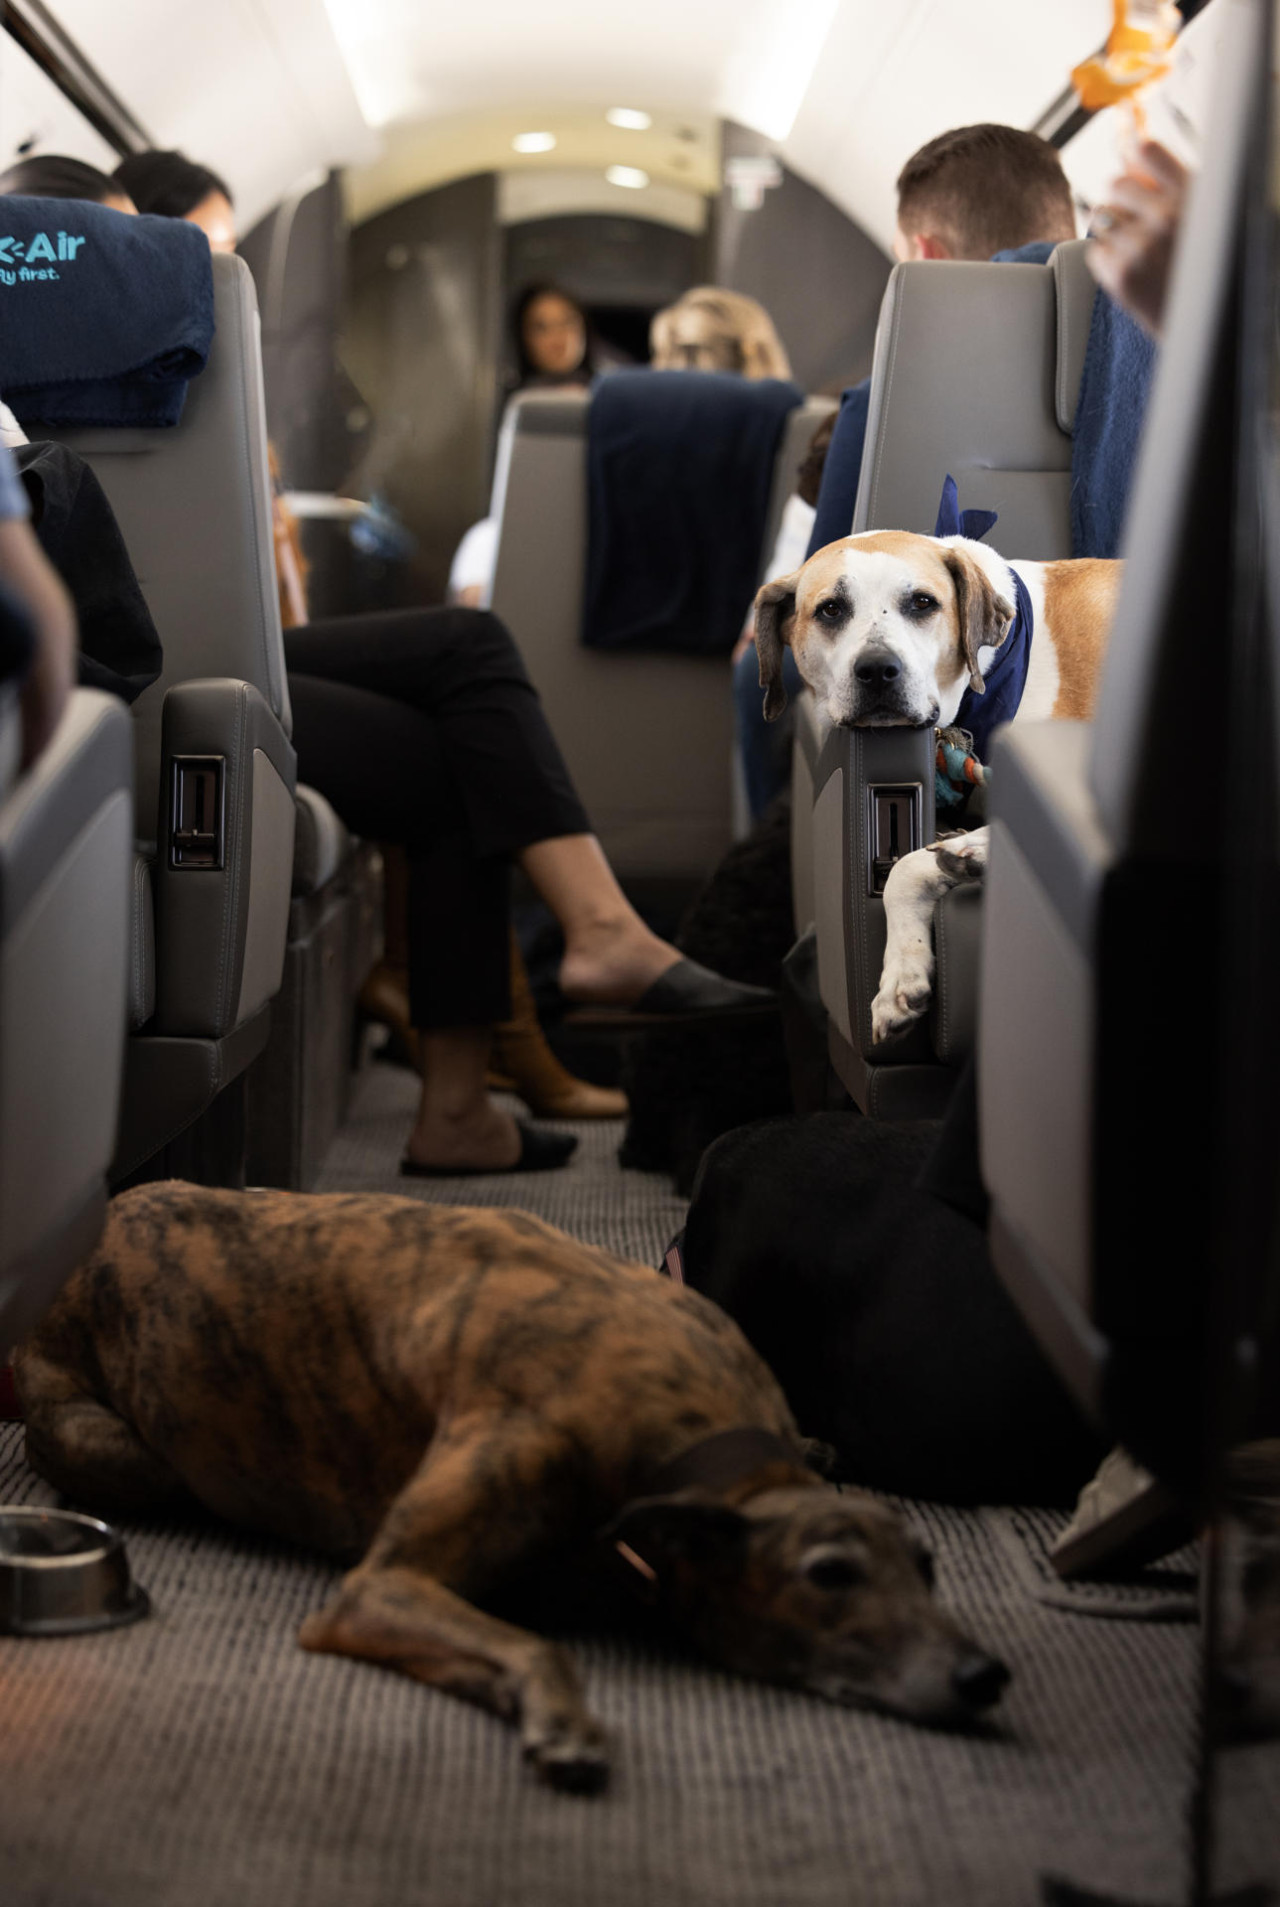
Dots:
{"x": 877, "y": 1307}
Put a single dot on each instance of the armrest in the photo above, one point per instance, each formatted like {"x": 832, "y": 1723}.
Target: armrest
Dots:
{"x": 957, "y": 945}
{"x": 224, "y": 865}
{"x": 66, "y": 830}
{"x": 873, "y": 800}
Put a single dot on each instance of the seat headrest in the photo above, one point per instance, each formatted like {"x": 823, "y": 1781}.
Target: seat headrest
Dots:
{"x": 106, "y": 316}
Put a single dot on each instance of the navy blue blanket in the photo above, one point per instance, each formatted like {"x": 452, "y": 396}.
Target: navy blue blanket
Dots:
{"x": 104, "y": 318}
{"x": 1119, "y": 364}
{"x": 679, "y": 471}
{"x": 833, "y": 518}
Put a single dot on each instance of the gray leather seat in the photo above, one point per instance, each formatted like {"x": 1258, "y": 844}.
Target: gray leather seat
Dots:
{"x": 648, "y": 738}
{"x": 976, "y": 373}
{"x": 66, "y": 841}
{"x": 214, "y": 770}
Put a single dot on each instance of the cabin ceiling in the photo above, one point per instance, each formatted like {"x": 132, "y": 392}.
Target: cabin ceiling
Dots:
{"x": 269, "y": 92}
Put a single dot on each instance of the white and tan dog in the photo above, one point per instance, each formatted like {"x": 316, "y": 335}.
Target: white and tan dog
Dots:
{"x": 889, "y": 630}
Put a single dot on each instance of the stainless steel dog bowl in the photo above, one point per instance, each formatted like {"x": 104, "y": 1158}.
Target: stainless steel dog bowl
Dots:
{"x": 62, "y": 1574}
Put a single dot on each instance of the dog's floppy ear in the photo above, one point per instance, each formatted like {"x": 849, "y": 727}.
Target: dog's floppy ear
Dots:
{"x": 775, "y": 607}
{"x": 682, "y": 1528}
{"x": 822, "y": 1458}
{"x": 983, "y": 614}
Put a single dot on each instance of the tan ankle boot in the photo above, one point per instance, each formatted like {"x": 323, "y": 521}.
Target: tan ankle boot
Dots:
{"x": 523, "y": 1063}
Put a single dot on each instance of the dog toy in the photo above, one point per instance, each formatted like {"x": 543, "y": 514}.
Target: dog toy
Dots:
{"x": 957, "y": 768}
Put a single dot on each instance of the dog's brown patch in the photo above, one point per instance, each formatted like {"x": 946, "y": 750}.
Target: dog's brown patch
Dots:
{"x": 1079, "y": 603}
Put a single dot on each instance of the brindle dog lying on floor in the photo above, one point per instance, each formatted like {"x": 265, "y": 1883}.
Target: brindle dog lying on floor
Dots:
{"x": 454, "y": 1396}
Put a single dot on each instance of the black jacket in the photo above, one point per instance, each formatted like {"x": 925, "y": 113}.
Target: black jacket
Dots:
{"x": 119, "y": 646}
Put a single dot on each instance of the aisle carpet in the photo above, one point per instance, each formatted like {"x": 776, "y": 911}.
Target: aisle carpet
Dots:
{"x": 201, "y": 1758}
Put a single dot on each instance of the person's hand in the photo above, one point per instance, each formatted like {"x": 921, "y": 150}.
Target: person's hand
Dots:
{"x": 1132, "y": 235}
{"x": 48, "y": 681}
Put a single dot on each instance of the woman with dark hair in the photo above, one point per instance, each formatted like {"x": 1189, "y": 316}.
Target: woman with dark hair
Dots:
{"x": 551, "y": 339}
{"x": 50, "y": 175}
{"x": 174, "y": 187}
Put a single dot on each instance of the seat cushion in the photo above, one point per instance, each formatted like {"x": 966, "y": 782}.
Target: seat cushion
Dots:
{"x": 321, "y": 843}
{"x": 142, "y": 956}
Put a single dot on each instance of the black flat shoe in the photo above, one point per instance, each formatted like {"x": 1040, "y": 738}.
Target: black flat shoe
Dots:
{"x": 539, "y": 1152}
{"x": 685, "y": 992}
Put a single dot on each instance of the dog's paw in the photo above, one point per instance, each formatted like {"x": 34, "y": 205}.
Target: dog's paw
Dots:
{"x": 963, "y": 857}
{"x": 905, "y": 991}
{"x": 570, "y": 1755}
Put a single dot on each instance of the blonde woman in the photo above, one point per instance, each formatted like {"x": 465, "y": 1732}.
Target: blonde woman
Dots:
{"x": 710, "y": 329}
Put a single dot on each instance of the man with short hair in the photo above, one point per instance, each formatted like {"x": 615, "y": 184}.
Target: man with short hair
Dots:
{"x": 977, "y": 192}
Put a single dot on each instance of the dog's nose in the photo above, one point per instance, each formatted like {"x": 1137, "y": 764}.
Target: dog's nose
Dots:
{"x": 979, "y": 1680}
{"x": 877, "y": 666}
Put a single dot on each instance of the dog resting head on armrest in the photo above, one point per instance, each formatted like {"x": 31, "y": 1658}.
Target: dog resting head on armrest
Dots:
{"x": 887, "y": 629}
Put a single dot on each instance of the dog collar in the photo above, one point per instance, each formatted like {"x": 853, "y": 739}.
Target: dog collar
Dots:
{"x": 714, "y": 1463}
{"x": 719, "y": 1461}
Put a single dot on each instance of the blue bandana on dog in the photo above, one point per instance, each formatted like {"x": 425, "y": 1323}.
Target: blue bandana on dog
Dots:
{"x": 1006, "y": 678}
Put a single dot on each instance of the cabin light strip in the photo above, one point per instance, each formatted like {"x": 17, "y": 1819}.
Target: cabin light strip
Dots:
{"x": 361, "y": 30}
{"x": 778, "y": 50}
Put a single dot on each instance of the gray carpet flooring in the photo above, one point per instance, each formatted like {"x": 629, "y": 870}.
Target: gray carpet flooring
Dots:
{"x": 201, "y": 1758}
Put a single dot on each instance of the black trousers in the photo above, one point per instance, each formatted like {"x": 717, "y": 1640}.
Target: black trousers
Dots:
{"x": 422, "y": 727}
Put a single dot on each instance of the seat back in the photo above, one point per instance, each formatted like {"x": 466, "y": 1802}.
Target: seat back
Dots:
{"x": 194, "y": 506}
{"x": 977, "y": 369}
{"x": 66, "y": 842}
{"x": 615, "y": 715}
{"x": 214, "y": 773}
{"x": 976, "y": 373}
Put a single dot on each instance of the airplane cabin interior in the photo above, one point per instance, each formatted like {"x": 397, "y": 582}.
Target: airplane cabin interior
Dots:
{"x": 639, "y": 769}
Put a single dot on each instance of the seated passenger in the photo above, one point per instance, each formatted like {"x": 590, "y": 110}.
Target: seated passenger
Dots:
{"x": 711, "y": 329}
{"x": 551, "y": 338}
{"x": 119, "y": 649}
{"x": 707, "y": 329}
{"x": 171, "y": 186}
{"x": 978, "y": 192}
{"x": 552, "y": 346}
{"x": 51, "y": 175}
{"x": 423, "y": 729}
